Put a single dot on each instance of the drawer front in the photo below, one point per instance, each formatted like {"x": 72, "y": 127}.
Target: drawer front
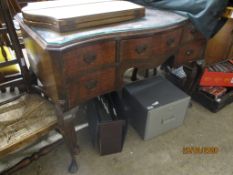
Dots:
{"x": 191, "y": 33}
{"x": 88, "y": 57}
{"x": 91, "y": 85}
{"x": 149, "y": 47}
{"x": 190, "y": 52}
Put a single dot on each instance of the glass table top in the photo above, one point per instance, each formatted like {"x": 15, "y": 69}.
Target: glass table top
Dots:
{"x": 154, "y": 19}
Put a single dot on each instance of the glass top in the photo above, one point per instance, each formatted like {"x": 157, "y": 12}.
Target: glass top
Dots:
{"x": 154, "y": 19}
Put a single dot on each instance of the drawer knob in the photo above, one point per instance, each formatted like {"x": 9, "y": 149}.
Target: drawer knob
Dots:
{"x": 89, "y": 58}
{"x": 141, "y": 48}
{"x": 189, "y": 52}
{"x": 170, "y": 42}
{"x": 91, "y": 84}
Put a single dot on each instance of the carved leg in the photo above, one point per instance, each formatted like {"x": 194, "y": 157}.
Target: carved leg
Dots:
{"x": 134, "y": 75}
{"x": 155, "y": 71}
{"x": 146, "y": 73}
{"x": 3, "y": 90}
{"x": 66, "y": 126}
{"x": 12, "y": 88}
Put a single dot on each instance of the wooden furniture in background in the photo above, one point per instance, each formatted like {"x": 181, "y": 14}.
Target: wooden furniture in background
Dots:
{"x": 75, "y": 67}
{"x": 22, "y": 77}
{"x": 14, "y": 7}
{"x": 220, "y": 47}
{"x": 24, "y": 119}
{"x": 23, "y": 3}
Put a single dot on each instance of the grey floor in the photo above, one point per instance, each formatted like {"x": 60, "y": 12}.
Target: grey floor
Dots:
{"x": 162, "y": 155}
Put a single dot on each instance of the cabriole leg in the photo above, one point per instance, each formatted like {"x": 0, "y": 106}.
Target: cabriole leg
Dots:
{"x": 67, "y": 129}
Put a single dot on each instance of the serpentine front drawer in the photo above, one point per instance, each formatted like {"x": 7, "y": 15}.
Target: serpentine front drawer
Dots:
{"x": 87, "y": 57}
{"x": 189, "y": 52}
{"x": 91, "y": 85}
{"x": 148, "y": 47}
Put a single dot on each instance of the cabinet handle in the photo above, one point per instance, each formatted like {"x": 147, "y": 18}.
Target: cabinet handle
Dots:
{"x": 168, "y": 120}
{"x": 170, "y": 42}
{"x": 189, "y": 52}
{"x": 141, "y": 48}
{"x": 91, "y": 84}
{"x": 89, "y": 58}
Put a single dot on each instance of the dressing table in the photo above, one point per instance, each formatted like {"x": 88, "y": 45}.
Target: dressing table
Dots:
{"x": 77, "y": 66}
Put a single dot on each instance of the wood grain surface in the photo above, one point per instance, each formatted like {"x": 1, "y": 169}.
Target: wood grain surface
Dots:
{"x": 77, "y": 66}
{"x": 81, "y": 15}
{"x": 24, "y": 121}
{"x": 219, "y": 47}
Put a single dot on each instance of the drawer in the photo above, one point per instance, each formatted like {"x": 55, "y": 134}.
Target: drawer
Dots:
{"x": 91, "y": 85}
{"x": 150, "y": 46}
{"x": 88, "y": 57}
{"x": 191, "y": 33}
{"x": 190, "y": 52}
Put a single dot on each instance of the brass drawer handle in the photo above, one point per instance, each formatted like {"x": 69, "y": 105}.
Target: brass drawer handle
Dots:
{"x": 141, "y": 48}
{"x": 170, "y": 42}
{"x": 91, "y": 84}
{"x": 189, "y": 52}
{"x": 89, "y": 58}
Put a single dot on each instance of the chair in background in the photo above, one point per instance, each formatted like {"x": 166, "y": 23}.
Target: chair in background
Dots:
{"x": 35, "y": 123}
{"x": 14, "y": 72}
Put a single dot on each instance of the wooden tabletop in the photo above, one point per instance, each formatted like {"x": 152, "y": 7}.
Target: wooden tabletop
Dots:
{"x": 154, "y": 19}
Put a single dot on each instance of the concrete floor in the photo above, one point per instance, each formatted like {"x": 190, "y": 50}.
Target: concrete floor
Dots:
{"x": 162, "y": 155}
